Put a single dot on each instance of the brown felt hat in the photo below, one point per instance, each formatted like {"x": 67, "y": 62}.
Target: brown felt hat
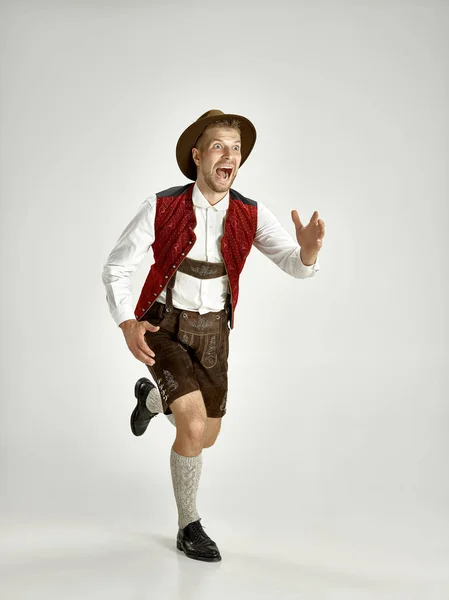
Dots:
{"x": 189, "y": 137}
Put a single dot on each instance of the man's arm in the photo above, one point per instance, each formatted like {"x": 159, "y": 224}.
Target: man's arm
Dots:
{"x": 125, "y": 258}
{"x": 280, "y": 247}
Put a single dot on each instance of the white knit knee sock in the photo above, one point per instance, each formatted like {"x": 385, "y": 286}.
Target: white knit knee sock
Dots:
{"x": 186, "y": 472}
{"x": 154, "y": 401}
{"x": 154, "y": 404}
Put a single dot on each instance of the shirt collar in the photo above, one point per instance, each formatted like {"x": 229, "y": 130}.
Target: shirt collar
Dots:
{"x": 199, "y": 200}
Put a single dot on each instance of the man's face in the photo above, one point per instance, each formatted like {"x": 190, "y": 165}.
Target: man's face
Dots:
{"x": 218, "y": 161}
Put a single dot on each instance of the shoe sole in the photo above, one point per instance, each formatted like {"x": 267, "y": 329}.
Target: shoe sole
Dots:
{"x": 216, "y": 559}
{"x": 133, "y": 414}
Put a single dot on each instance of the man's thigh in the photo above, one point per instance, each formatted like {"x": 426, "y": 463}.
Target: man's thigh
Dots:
{"x": 189, "y": 407}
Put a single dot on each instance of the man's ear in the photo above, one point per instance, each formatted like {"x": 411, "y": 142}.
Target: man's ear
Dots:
{"x": 195, "y": 156}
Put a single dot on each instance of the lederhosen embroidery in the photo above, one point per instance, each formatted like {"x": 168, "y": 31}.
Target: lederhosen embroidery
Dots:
{"x": 207, "y": 329}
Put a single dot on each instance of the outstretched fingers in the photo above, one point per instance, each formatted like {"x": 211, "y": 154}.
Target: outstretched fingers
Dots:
{"x": 296, "y": 220}
{"x": 314, "y": 217}
{"x": 321, "y": 228}
{"x": 314, "y": 220}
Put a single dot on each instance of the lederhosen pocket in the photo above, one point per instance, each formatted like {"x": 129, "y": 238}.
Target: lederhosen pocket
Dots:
{"x": 201, "y": 332}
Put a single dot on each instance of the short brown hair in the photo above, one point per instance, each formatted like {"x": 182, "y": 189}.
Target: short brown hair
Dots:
{"x": 233, "y": 123}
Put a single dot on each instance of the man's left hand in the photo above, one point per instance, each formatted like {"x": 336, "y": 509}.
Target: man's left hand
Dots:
{"x": 310, "y": 237}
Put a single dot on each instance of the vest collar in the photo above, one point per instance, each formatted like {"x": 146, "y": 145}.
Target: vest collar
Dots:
{"x": 199, "y": 200}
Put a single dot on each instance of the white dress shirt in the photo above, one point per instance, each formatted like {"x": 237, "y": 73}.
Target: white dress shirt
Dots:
{"x": 191, "y": 293}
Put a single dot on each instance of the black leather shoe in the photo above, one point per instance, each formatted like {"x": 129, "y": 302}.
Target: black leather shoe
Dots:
{"x": 195, "y": 543}
{"x": 141, "y": 416}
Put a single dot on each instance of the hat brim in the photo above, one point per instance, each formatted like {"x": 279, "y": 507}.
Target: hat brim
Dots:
{"x": 189, "y": 137}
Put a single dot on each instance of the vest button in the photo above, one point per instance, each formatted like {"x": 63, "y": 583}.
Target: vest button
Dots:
{"x": 155, "y": 294}
{"x": 160, "y": 285}
{"x": 174, "y": 266}
{"x": 166, "y": 277}
{"x": 190, "y": 242}
{"x": 183, "y": 253}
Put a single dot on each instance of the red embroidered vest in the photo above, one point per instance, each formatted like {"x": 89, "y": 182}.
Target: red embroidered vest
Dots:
{"x": 174, "y": 236}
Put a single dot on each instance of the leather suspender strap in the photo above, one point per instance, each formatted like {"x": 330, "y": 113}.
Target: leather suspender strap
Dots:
{"x": 169, "y": 295}
{"x": 228, "y": 307}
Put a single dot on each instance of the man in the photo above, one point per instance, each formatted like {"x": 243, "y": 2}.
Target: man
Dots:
{"x": 201, "y": 235}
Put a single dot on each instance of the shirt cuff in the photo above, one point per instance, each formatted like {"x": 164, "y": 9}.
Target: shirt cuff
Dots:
{"x": 122, "y": 314}
{"x": 308, "y": 270}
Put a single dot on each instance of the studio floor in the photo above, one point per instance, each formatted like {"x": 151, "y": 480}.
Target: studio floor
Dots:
{"x": 88, "y": 560}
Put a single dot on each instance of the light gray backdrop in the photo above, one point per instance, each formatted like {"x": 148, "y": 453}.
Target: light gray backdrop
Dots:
{"x": 335, "y": 445}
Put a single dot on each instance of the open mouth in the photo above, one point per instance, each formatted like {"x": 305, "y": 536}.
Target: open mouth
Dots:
{"x": 223, "y": 173}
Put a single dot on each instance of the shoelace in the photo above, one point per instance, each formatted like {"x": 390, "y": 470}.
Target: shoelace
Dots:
{"x": 198, "y": 533}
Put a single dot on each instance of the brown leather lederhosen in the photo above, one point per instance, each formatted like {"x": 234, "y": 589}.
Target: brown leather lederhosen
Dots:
{"x": 191, "y": 349}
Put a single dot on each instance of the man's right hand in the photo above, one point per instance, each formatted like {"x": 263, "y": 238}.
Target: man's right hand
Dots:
{"x": 134, "y": 332}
